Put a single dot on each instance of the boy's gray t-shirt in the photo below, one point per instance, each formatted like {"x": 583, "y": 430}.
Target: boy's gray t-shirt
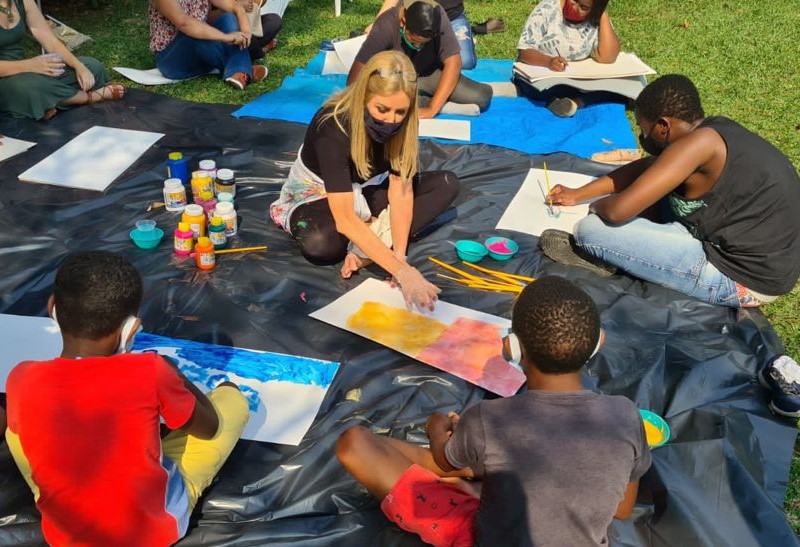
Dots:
{"x": 554, "y": 465}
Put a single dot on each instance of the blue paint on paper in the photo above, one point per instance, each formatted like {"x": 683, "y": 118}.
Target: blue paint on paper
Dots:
{"x": 211, "y": 359}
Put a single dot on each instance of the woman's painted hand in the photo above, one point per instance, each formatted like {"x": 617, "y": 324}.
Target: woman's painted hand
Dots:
{"x": 417, "y": 291}
{"x": 49, "y": 64}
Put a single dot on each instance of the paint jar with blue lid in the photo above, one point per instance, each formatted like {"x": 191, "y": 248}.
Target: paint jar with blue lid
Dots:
{"x": 177, "y": 168}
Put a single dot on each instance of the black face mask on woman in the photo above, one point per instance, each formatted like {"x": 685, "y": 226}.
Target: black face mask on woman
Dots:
{"x": 652, "y": 146}
{"x": 380, "y": 131}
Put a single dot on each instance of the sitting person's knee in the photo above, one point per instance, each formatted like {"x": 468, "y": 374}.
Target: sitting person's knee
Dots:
{"x": 322, "y": 248}
{"x": 587, "y": 229}
{"x": 349, "y": 442}
{"x": 484, "y": 97}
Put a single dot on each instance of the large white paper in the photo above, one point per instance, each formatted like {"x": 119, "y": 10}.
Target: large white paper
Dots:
{"x": 627, "y": 87}
{"x": 626, "y": 65}
{"x": 282, "y": 408}
{"x": 342, "y": 58}
{"x": 93, "y": 159}
{"x": 151, "y": 76}
{"x": 529, "y": 212}
{"x": 11, "y": 147}
{"x": 274, "y": 6}
{"x": 469, "y": 348}
{"x": 445, "y": 129}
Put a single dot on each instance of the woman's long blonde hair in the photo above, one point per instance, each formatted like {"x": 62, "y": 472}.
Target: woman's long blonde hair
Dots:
{"x": 385, "y": 73}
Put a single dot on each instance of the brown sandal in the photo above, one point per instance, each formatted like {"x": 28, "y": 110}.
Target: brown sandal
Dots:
{"x": 97, "y": 96}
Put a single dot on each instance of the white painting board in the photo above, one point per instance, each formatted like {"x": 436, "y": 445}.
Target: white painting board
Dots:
{"x": 93, "y": 159}
{"x": 469, "y": 344}
{"x": 348, "y": 49}
{"x": 277, "y": 7}
{"x": 151, "y": 76}
{"x": 445, "y": 129}
{"x": 528, "y": 211}
{"x": 11, "y": 147}
{"x": 281, "y": 409}
{"x": 333, "y": 65}
{"x": 626, "y": 65}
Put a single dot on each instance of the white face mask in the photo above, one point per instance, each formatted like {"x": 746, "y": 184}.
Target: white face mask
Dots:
{"x": 127, "y": 334}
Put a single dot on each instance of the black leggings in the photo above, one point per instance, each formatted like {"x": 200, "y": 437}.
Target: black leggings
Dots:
{"x": 271, "y": 24}
{"x": 314, "y": 229}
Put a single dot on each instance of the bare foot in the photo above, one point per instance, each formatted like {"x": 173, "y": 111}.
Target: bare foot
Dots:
{"x": 353, "y": 263}
{"x": 109, "y": 92}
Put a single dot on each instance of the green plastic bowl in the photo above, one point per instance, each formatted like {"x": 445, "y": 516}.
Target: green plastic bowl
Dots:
{"x": 470, "y": 251}
{"x": 501, "y": 248}
{"x": 147, "y": 239}
{"x": 653, "y": 419}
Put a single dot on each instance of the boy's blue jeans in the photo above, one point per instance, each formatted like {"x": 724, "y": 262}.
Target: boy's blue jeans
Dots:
{"x": 463, "y": 34}
{"x": 666, "y": 254}
{"x": 188, "y": 57}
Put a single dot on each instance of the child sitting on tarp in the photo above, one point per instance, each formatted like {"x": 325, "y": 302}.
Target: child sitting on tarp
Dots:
{"x": 559, "y": 31}
{"x": 556, "y": 462}
{"x": 83, "y": 428}
{"x": 421, "y": 30}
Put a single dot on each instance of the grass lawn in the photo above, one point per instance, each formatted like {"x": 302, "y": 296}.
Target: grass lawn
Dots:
{"x": 743, "y": 57}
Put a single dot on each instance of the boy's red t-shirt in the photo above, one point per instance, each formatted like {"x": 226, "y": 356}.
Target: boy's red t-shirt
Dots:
{"x": 89, "y": 429}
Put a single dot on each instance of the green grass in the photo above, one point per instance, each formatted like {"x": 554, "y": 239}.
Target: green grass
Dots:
{"x": 743, "y": 57}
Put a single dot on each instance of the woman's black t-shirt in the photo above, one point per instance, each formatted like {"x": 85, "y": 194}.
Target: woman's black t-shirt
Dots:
{"x": 326, "y": 152}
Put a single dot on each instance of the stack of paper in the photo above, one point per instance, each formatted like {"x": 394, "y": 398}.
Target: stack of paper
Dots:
{"x": 625, "y": 76}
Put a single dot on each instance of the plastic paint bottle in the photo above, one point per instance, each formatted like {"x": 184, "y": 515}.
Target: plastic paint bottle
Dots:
{"x": 177, "y": 167}
{"x": 227, "y": 213}
{"x": 201, "y": 182}
{"x": 225, "y": 196}
{"x": 174, "y": 195}
{"x": 194, "y": 216}
{"x": 210, "y": 167}
{"x": 208, "y": 202}
{"x": 204, "y": 254}
{"x": 184, "y": 239}
{"x": 225, "y": 182}
{"x": 216, "y": 233}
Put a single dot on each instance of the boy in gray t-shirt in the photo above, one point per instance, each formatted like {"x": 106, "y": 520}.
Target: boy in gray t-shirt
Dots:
{"x": 556, "y": 463}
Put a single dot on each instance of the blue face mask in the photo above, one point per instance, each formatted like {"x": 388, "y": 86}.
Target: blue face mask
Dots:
{"x": 406, "y": 42}
{"x": 379, "y": 131}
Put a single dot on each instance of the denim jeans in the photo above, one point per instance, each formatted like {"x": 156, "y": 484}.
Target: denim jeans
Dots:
{"x": 188, "y": 57}
{"x": 666, "y": 254}
{"x": 464, "y": 36}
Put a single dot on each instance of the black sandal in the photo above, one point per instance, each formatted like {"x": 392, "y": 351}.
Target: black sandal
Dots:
{"x": 489, "y": 26}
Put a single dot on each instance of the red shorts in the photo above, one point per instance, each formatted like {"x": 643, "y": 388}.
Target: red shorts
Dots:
{"x": 438, "y": 512}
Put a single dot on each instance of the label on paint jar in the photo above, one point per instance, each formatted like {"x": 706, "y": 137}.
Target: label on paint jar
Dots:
{"x": 183, "y": 245}
{"x": 206, "y": 259}
{"x": 195, "y": 228}
{"x": 217, "y": 238}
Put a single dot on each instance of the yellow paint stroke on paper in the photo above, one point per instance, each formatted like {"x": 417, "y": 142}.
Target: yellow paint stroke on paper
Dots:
{"x": 397, "y": 328}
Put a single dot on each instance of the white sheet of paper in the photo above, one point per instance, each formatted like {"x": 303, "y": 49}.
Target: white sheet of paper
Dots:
{"x": 445, "y": 129}
{"x": 626, "y": 65}
{"x": 348, "y": 49}
{"x": 275, "y": 6}
{"x": 337, "y": 312}
{"x": 529, "y": 213}
{"x": 285, "y": 412}
{"x": 11, "y": 147}
{"x": 151, "y": 76}
{"x": 93, "y": 159}
{"x": 333, "y": 65}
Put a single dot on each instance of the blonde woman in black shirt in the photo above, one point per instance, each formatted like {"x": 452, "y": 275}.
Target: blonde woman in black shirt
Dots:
{"x": 354, "y": 194}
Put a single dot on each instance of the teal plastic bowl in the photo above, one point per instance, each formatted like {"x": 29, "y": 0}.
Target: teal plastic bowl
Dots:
{"x": 470, "y": 251}
{"x": 658, "y": 427}
{"x": 147, "y": 239}
{"x": 501, "y": 248}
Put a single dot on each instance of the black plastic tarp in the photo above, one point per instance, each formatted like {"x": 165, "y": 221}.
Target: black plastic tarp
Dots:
{"x": 720, "y": 481}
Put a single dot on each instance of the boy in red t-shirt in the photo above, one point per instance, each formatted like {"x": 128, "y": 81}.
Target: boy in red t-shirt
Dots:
{"x": 84, "y": 428}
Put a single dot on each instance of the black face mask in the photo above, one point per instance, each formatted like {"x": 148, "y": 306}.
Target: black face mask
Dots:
{"x": 652, "y": 146}
{"x": 380, "y": 131}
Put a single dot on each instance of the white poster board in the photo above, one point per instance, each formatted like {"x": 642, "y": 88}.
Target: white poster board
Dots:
{"x": 11, "y": 147}
{"x": 93, "y": 159}
{"x": 445, "y": 129}
{"x": 284, "y": 392}
{"x": 345, "y": 55}
{"x": 529, "y": 212}
{"x": 626, "y": 65}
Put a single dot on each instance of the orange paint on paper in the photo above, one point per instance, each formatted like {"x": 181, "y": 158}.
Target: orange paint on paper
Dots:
{"x": 397, "y": 328}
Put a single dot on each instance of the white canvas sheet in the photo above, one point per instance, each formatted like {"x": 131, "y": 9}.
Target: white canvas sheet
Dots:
{"x": 151, "y": 76}
{"x": 11, "y": 147}
{"x": 529, "y": 213}
{"x": 93, "y": 159}
{"x": 626, "y": 65}
{"x": 346, "y": 51}
{"x": 274, "y": 6}
{"x": 445, "y": 129}
{"x": 281, "y": 408}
